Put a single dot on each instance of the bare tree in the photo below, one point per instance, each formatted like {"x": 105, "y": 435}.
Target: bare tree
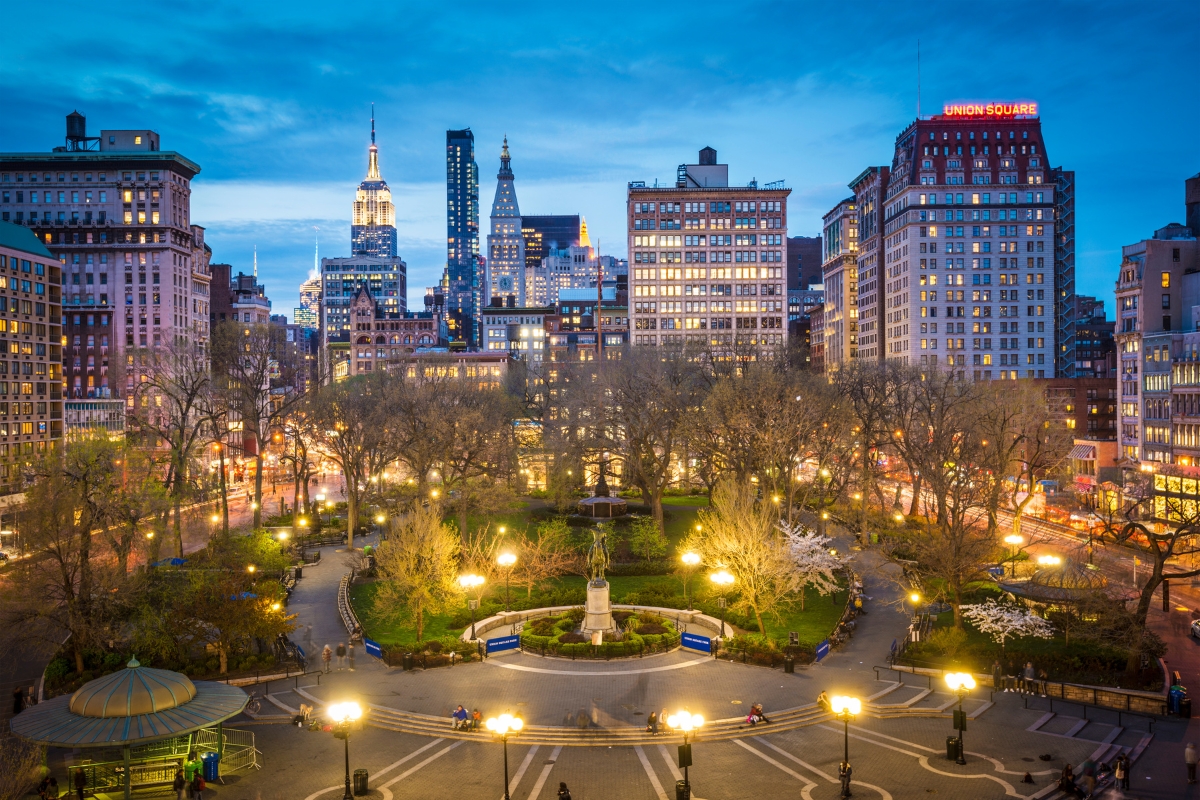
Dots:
{"x": 248, "y": 358}
{"x": 169, "y": 405}
{"x": 351, "y": 420}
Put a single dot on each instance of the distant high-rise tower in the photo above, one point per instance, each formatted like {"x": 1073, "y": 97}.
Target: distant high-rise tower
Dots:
{"x": 308, "y": 314}
{"x": 373, "y": 225}
{"x": 463, "y": 281}
{"x": 506, "y": 245}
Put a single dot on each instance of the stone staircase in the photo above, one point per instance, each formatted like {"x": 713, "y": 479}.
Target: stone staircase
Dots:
{"x": 393, "y": 719}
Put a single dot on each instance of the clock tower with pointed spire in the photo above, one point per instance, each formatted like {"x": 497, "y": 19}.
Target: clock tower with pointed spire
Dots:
{"x": 505, "y": 244}
{"x": 373, "y": 222}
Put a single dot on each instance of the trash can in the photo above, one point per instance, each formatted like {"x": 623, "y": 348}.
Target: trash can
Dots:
{"x": 874, "y": 538}
{"x": 952, "y": 748}
{"x": 789, "y": 664}
{"x": 1185, "y": 707}
{"x": 682, "y": 791}
{"x": 360, "y": 782}
{"x": 211, "y": 768}
{"x": 407, "y": 661}
{"x": 1174, "y": 695}
{"x": 299, "y": 573}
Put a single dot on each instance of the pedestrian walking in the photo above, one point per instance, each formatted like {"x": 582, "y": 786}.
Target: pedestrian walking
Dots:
{"x": 563, "y": 792}
{"x": 1087, "y": 771}
{"x": 341, "y": 655}
{"x": 326, "y": 658}
{"x": 1189, "y": 758}
{"x": 1121, "y": 771}
{"x": 308, "y": 638}
{"x": 198, "y": 785}
{"x": 180, "y": 785}
{"x": 997, "y": 675}
{"x": 1030, "y": 678}
{"x": 350, "y": 655}
{"x": 81, "y": 780}
{"x": 18, "y": 701}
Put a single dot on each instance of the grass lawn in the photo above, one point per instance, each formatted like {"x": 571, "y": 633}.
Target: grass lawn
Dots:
{"x": 394, "y": 632}
{"x": 686, "y": 500}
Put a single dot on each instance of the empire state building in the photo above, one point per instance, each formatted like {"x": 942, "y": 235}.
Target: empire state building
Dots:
{"x": 373, "y": 224}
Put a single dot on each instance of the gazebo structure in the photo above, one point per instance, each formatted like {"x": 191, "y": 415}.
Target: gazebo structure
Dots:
{"x": 600, "y": 505}
{"x": 1058, "y": 584}
{"x": 150, "y": 714}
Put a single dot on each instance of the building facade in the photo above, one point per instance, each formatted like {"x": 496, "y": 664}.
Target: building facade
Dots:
{"x": 1095, "y": 348}
{"x": 839, "y": 269}
{"x": 463, "y": 282}
{"x": 707, "y": 260}
{"x": 373, "y": 217}
{"x": 506, "y": 245}
{"x": 238, "y": 298}
{"x": 1158, "y": 343}
{"x": 980, "y": 297}
{"x": 575, "y": 267}
{"x": 385, "y": 279}
{"x": 115, "y": 211}
{"x": 803, "y": 262}
{"x": 381, "y": 339}
{"x": 31, "y": 396}
{"x": 869, "y": 188}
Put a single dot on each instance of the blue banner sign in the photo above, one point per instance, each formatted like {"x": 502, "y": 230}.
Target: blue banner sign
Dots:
{"x": 373, "y": 648}
{"x": 503, "y": 643}
{"x": 822, "y": 649}
{"x": 694, "y": 642}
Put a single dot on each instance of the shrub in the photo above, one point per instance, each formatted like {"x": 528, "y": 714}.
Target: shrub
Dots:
{"x": 620, "y": 616}
{"x": 572, "y": 638}
{"x": 649, "y": 629}
{"x": 58, "y": 669}
{"x": 574, "y": 614}
{"x": 947, "y": 641}
{"x": 650, "y": 618}
{"x": 433, "y": 646}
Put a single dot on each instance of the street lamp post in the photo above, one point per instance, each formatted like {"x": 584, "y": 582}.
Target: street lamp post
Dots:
{"x": 690, "y": 562}
{"x": 469, "y": 582}
{"x": 846, "y": 709}
{"x": 1015, "y": 541}
{"x": 722, "y": 579}
{"x": 687, "y": 724}
{"x": 502, "y": 727}
{"x": 961, "y": 683}
{"x": 506, "y": 560}
{"x": 343, "y": 715}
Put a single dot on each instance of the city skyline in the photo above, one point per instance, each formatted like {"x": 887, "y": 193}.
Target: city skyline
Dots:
{"x": 279, "y": 156}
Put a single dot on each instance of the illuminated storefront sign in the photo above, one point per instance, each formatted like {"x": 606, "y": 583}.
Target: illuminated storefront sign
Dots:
{"x": 990, "y": 110}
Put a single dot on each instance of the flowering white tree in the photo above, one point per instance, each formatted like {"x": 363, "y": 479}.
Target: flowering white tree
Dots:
{"x": 1003, "y": 622}
{"x": 811, "y": 558}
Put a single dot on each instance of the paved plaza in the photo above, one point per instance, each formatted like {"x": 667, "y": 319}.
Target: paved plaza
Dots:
{"x": 583, "y": 720}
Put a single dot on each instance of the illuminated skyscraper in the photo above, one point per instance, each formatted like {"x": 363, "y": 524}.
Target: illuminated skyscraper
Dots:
{"x": 373, "y": 224}
{"x": 506, "y": 245}
{"x": 463, "y": 279}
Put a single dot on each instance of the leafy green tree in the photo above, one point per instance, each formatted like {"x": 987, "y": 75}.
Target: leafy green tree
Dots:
{"x": 646, "y": 540}
{"x": 739, "y": 534}
{"x": 418, "y": 567}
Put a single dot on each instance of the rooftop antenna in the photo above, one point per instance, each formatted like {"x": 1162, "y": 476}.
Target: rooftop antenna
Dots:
{"x": 256, "y": 263}
{"x": 372, "y": 123}
{"x": 918, "y": 78}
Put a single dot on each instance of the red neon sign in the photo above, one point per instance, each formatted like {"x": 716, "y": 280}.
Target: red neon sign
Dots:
{"x": 990, "y": 110}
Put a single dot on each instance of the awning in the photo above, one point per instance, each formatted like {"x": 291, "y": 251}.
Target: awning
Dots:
{"x": 1086, "y": 452}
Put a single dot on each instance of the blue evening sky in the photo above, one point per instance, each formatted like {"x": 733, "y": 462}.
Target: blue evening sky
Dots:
{"x": 273, "y": 101}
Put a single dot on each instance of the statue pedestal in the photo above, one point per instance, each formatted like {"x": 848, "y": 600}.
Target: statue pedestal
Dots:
{"x": 597, "y": 616}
